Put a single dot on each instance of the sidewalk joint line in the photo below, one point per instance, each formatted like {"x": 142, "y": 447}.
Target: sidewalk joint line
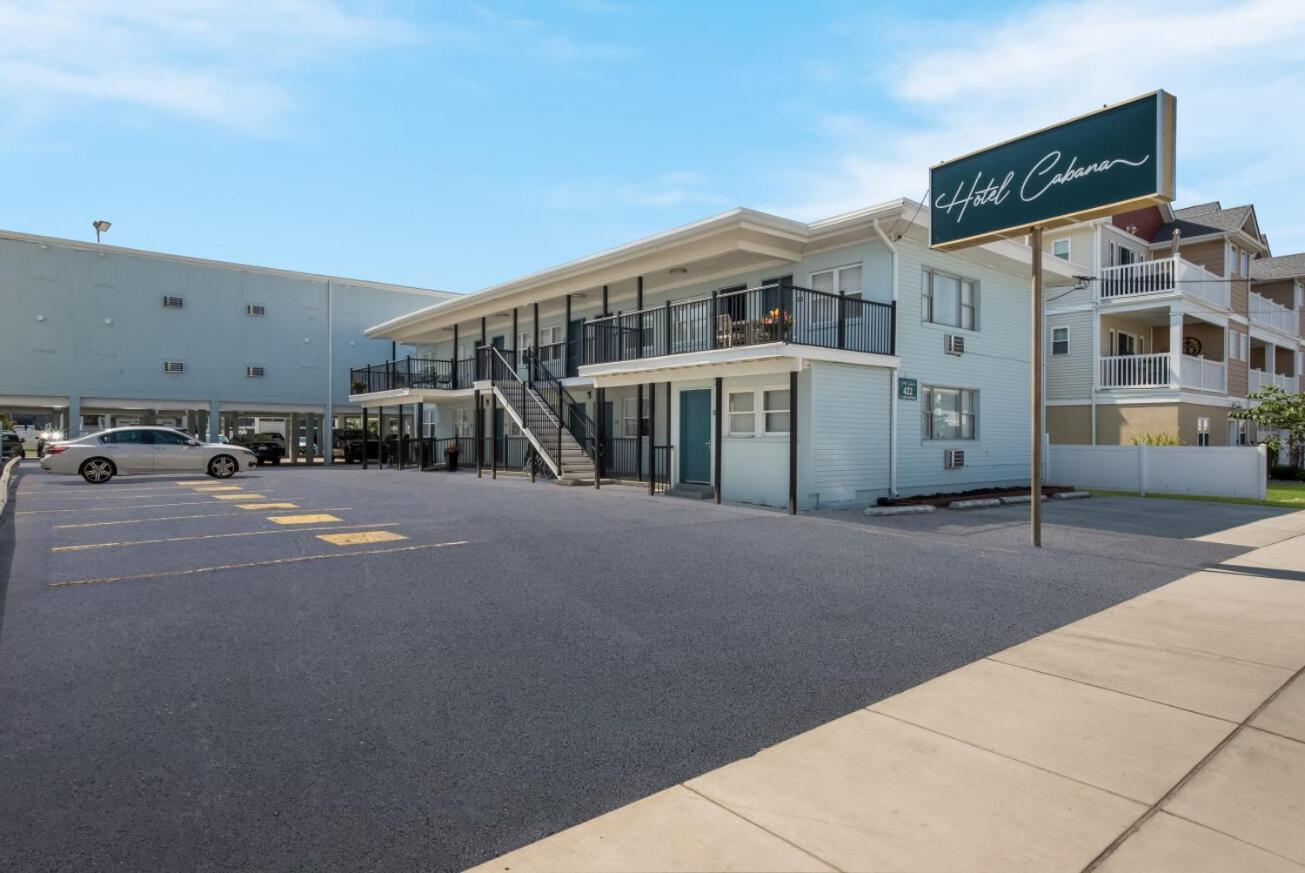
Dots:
{"x": 762, "y": 828}
{"x": 1242, "y": 840}
{"x": 1187, "y": 777}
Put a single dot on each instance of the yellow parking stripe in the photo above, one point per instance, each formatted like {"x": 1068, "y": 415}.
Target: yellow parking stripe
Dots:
{"x": 362, "y": 537}
{"x": 268, "y": 505}
{"x": 124, "y": 508}
{"x": 222, "y": 536}
{"x": 245, "y": 496}
{"x": 73, "y": 583}
{"x": 310, "y": 518}
{"x": 209, "y": 489}
{"x": 173, "y": 518}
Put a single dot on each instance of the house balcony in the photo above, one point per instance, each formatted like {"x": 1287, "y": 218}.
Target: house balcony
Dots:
{"x": 1259, "y": 380}
{"x": 414, "y": 374}
{"x": 738, "y": 319}
{"x": 1157, "y": 371}
{"x": 1271, "y": 313}
{"x": 1165, "y": 276}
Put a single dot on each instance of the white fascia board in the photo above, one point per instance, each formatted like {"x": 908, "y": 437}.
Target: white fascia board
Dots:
{"x": 1165, "y": 395}
{"x": 408, "y": 395}
{"x": 741, "y": 361}
{"x": 141, "y": 403}
{"x": 1267, "y": 334}
{"x": 23, "y": 400}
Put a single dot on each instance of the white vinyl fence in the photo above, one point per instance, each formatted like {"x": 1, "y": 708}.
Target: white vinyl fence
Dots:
{"x": 1214, "y": 471}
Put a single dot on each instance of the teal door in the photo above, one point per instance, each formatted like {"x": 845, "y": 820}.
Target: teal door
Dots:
{"x": 695, "y": 436}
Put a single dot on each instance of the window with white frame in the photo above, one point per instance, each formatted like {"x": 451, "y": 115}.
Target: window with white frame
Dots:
{"x": 1060, "y": 248}
{"x": 463, "y": 426}
{"x": 840, "y": 280}
{"x": 950, "y": 300}
{"x": 1232, "y": 267}
{"x": 1202, "y": 430}
{"x": 523, "y": 341}
{"x": 629, "y": 416}
{"x": 549, "y": 339}
{"x": 775, "y": 409}
{"x": 949, "y": 413}
{"x": 1060, "y": 340}
{"x": 742, "y": 407}
{"x": 1246, "y": 263}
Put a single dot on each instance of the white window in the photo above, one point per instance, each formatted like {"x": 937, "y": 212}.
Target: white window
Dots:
{"x": 950, "y": 300}
{"x": 1060, "y": 340}
{"x": 776, "y": 409}
{"x": 630, "y": 417}
{"x": 1060, "y": 248}
{"x": 255, "y": 310}
{"x": 523, "y": 341}
{"x": 949, "y": 413}
{"x": 1123, "y": 343}
{"x": 463, "y": 426}
{"x": 1232, "y": 269}
{"x": 1202, "y": 431}
{"x": 842, "y": 280}
{"x": 1246, "y": 263}
{"x": 743, "y": 413}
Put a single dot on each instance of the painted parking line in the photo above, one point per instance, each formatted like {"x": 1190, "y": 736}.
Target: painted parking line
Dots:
{"x": 362, "y": 537}
{"x": 268, "y": 505}
{"x": 223, "y": 536}
{"x": 104, "y": 580}
{"x": 241, "y": 496}
{"x": 124, "y": 508}
{"x": 308, "y": 518}
{"x": 209, "y": 489}
{"x": 152, "y": 495}
{"x": 175, "y": 518}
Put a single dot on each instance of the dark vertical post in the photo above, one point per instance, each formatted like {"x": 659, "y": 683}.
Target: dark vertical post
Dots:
{"x": 516, "y": 338}
{"x": 1035, "y": 467}
{"x": 403, "y": 420}
{"x": 711, "y": 323}
{"x": 638, "y": 307}
{"x": 535, "y": 354}
{"x": 567, "y": 360}
{"x": 477, "y": 427}
{"x": 842, "y": 320}
{"x": 892, "y": 340}
{"x": 420, "y": 425}
{"x": 792, "y": 441}
{"x": 652, "y": 437}
{"x": 638, "y": 431}
{"x": 493, "y": 435}
{"x": 364, "y": 439}
{"x": 604, "y": 301}
{"x": 454, "y": 377}
{"x": 720, "y": 393}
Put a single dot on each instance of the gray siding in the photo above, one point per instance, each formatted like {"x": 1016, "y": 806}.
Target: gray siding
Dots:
{"x": 849, "y": 431}
{"x": 1069, "y": 377}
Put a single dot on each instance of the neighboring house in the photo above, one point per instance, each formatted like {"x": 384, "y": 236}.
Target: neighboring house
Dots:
{"x": 1150, "y": 342}
{"x": 692, "y": 357}
{"x": 95, "y": 335}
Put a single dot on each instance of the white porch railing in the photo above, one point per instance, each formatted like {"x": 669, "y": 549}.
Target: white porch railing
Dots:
{"x": 1203, "y": 375}
{"x": 1135, "y": 371}
{"x": 1260, "y": 379}
{"x": 1159, "y": 277}
{"x": 1272, "y": 313}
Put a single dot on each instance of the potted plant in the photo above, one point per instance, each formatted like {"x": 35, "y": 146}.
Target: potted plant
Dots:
{"x": 451, "y": 457}
{"x": 359, "y": 385}
{"x": 777, "y": 323}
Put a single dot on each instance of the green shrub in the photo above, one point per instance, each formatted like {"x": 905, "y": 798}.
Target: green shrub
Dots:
{"x": 1155, "y": 439}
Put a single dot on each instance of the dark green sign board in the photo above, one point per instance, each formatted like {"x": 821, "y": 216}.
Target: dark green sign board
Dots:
{"x": 908, "y": 389}
{"x": 1114, "y": 160}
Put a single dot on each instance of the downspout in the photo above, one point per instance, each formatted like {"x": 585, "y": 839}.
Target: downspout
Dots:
{"x": 892, "y": 385}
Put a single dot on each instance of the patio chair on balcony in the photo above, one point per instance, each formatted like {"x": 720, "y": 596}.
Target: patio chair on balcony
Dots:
{"x": 724, "y": 331}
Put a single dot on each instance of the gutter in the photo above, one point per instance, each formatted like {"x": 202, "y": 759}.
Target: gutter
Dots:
{"x": 892, "y": 385}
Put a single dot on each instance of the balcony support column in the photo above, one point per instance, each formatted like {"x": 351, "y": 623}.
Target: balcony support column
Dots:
{"x": 477, "y": 427}
{"x": 364, "y": 439}
{"x": 398, "y": 444}
{"x": 1175, "y": 346}
{"x": 566, "y": 340}
{"x": 716, "y": 443}
{"x": 792, "y": 441}
{"x": 530, "y": 373}
{"x": 454, "y": 375}
{"x": 652, "y": 436}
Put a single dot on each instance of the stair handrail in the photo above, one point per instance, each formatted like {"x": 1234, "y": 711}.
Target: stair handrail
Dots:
{"x": 566, "y": 403}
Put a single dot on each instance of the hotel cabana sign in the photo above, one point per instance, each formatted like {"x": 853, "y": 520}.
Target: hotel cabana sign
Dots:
{"x": 1113, "y": 160}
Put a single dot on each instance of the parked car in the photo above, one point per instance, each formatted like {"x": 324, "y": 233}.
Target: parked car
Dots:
{"x": 350, "y": 442}
{"x": 269, "y": 448}
{"x": 126, "y": 450}
{"x": 11, "y": 445}
{"x": 46, "y": 436}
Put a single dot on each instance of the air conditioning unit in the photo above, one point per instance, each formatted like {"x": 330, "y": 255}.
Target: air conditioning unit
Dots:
{"x": 255, "y": 309}
{"x": 953, "y": 459}
{"x": 254, "y": 372}
{"x": 170, "y": 302}
{"x": 953, "y": 344}
{"x": 174, "y": 367}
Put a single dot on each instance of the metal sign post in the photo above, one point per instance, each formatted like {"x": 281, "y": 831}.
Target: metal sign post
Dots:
{"x": 1035, "y": 428}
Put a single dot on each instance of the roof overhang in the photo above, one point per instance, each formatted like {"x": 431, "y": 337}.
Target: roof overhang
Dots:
{"x": 740, "y": 361}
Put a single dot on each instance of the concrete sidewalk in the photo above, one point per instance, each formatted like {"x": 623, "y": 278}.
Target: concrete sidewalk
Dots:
{"x": 1164, "y": 734}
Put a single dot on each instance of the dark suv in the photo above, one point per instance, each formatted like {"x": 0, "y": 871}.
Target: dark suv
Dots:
{"x": 269, "y": 448}
{"x": 11, "y": 445}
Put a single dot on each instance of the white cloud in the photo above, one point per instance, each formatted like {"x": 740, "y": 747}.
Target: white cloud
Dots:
{"x": 220, "y": 61}
{"x": 1237, "y": 68}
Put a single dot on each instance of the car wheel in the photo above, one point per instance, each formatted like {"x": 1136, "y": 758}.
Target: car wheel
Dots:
{"x": 276, "y": 462}
{"x": 222, "y": 467}
{"x": 97, "y": 471}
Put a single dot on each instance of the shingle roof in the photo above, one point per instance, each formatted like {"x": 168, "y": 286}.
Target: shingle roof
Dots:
{"x": 1281, "y": 267}
{"x": 1202, "y": 219}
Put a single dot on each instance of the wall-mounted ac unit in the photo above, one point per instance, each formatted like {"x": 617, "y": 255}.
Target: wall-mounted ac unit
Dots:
{"x": 173, "y": 302}
{"x": 254, "y": 372}
{"x": 953, "y": 344}
{"x": 953, "y": 459}
{"x": 255, "y": 309}
{"x": 174, "y": 367}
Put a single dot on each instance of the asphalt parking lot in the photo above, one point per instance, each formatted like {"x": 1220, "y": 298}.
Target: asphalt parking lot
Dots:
{"x": 188, "y": 683}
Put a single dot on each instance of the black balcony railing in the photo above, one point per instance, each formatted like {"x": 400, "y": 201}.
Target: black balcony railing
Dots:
{"x": 771, "y": 313}
{"x": 407, "y": 372}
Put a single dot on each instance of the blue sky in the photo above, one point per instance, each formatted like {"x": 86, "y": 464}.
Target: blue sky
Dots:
{"x": 458, "y": 145}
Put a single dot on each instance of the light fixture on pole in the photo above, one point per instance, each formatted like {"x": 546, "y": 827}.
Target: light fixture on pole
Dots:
{"x": 101, "y": 226}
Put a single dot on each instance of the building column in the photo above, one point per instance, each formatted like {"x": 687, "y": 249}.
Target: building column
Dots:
{"x": 638, "y": 424}
{"x": 716, "y": 443}
{"x": 364, "y": 438}
{"x": 214, "y": 421}
{"x": 74, "y": 416}
{"x": 1175, "y": 346}
{"x": 793, "y": 440}
{"x": 403, "y": 420}
{"x": 292, "y": 437}
{"x": 652, "y": 437}
{"x": 600, "y": 425}
{"x": 493, "y": 435}
{"x": 477, "y": 428}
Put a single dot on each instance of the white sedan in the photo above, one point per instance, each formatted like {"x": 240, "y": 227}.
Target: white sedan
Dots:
{"x": 124, "y": 450}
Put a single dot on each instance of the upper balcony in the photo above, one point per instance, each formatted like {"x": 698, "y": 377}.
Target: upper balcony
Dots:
{"x": 755, "y": 316}
{"x": 1163, "y": 371}
{"x": 1271, "y": 313}
{"x": 1165, "y": 276}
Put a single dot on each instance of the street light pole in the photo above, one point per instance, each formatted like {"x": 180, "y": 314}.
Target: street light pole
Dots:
{"x": 1035, "y": 408}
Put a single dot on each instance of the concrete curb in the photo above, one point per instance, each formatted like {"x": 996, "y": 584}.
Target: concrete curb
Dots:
{"x": 5, "y": 478}
{"x": 1073, "y": 495}
{"x": 910, "y": 509}
{"x": 1019, "y": 498}
{"x": 977, "y": 503}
